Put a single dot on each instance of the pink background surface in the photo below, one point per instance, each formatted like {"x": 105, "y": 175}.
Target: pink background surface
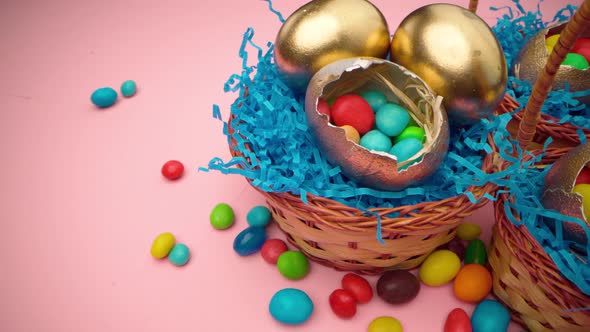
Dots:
{"x": 82, "y": 197}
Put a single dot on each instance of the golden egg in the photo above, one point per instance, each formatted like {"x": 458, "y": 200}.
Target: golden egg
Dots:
{"x": 324, "y": 31}
{"x": 457, "y": 55}
{"x": 378, "y": 170}
{"x": 532, "y": 59}
{"x": 558, "y": 191}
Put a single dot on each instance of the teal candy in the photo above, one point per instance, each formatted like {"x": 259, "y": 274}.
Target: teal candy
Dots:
{"x": 259, "y": 216}
{"x": 490, "y": 316}
{"x": 179, "y": 255}
{"x": 290, "y": 306}
{"x": 406, "y": 148}
{"x": 392, "y": 119}
{"x": 104, "y": 97}
{"x": 375, "y": 98}
{"x": 128, "y": 88}
{"x": 376, "y": 141}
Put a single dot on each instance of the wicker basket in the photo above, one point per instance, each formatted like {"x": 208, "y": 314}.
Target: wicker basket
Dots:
{"x": 525, "y": 278}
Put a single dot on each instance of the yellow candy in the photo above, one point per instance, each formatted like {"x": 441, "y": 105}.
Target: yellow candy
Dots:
{"x": 385, "y": 324}
{"x": 584, "y": 190}
{"x": 162, "y": 245}
{"x": 439, "y": 268}
{"x": 468, "y": 231}
{"x": 550, "y": 43}
{"x": 351, "y": 133}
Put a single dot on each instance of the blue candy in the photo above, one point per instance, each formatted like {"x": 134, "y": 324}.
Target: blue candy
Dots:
{"x": 375, "y": 98}
{"x": 249, "y": 241}
{"x": 179, "y": 255}
{"x": 392, "y": 119}
{"x": 104, "y": 97}
{"x": 406, "y": 148}
{"x": 376, "y": 141}
{"x": 290, "y": 306}
{"x": 490, "y": 316}
{"x": 128, "y": 88}
{"x": 259, "y": 216}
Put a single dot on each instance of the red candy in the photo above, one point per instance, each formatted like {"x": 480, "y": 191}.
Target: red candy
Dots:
{"x": 323, "y": 107}
{"x": 584, "y": 176}
{"x": 358, "y": 287}
{"x": 458, "y": 321}
{"x": 272, "y": 249}
{"x": 172, "y": 169}
{"x": 343, "y": 303}
{"x": 585, "y": 52}
{"x": 354, "y": 111}
{"x": 581, "y": 43}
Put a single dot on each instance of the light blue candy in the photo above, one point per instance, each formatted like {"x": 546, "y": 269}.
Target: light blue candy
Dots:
{"x": 258, "y": 216}
{"x": 128, "y": 88}
{"x": 290, "y": 306}
{"x": 249, "y": 241}
{"x": 376, "y": 141}
{"x": 406, "y": 148}
{"x": 104, "y": 97}
{"x": 490, "y": 316}
{"x": 392, "y": 119}
{"x": 375, "y": 98}
{"x": 179, "y": 255}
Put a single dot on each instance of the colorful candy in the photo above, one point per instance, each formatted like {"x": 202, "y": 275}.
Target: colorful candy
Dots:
{"x": 456, "y": 245}
{"x": 412, "y": 132}
{"x": 476, "y": 252}
{"x": 375, "y": 99}
{"x": 343, "y": 303}
{"x": 128, "y": 88}
{"x": 490, "y": 316}
{"x": 162, "y": 245}
{"x": 104, "y": 97}
{"x": 397, "y": 287}
{"x": 249, "y": 241}
{"x": 385, "y": 324}
{"x": 351, "y": 134}
{"x": 405, "y": 149}
{"x": 439, "y": 268}
{"x": 468, "y": 231}
{"x": 584, "y": 176}
{"x": 172, "y": 169}
{"x": 354, "y": 111}
{"x": 473, "y": 283}
{"x": 272, "y": 249}
{"x": 222, "y": 216}
{"x": 324, "y": 107}
{"x": 258, "y": 216}
{"x": 581, "y": 44}
{"x": 290, "y": 306}
{"x": 391, "y": 119}
{"x": 375, "y": 140}
{"x": 293, "y": 265}
{"x": 179, "y": 255}
{"x": 358, "y": 287}
{"x": 550, "y": 42}
{"x": 576, "y": 60}
{"x": 584, "y": 190}
{"x": 458, "y": 321}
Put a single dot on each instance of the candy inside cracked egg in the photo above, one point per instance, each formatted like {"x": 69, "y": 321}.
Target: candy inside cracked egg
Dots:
{"x": 377, "y": 164}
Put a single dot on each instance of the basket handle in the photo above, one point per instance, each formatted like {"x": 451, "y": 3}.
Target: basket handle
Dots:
{"x": 572, "y": 31}
{"x": 473, "y": 5}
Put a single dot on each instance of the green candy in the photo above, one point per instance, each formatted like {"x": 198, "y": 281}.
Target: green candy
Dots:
{"x": 222, "y": 216}
{"x": 293, "y": 265}
{"x": 576, "y": 60}
{"x": 412, "y": 132}
{"x": 476, "y": 252}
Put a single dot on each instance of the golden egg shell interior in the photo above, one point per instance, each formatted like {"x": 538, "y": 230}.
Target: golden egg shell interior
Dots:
{"x": 532, "y": 58}
{"x": 373, "y": 169}
{"x": 558, "y": 190}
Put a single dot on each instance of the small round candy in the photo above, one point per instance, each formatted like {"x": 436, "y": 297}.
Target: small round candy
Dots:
{"x": 172, "y": 169}
{"x": 343, "y": 303}
{"x": 439, "y": 268}
{"x": 293, "y": 265}
{"x": 405, "y": 149}
{"x": 576, "y": 60}
{"x": 358, "y": 286}
{"x": 290, "y": 306}
{"x": 490, "y": 316}
{"x": 222, "y": 216}
{"x": 584, "y": 176}
{"x": 456, "y": 245}
{"x": 162, "y": 245}
{"x": 179, "y": 255}
{"x": 585, "y": 52}
{"x": 392, "y": 119}
{"x": 354, "y": 111}
{"x": 584, "y": 190}
{"x": 581, "y": 44}
{"x": 473, "y": 283}
{"x": 550, "y": 42}
{"x": 351, "y": 134}
{"x": 375, "y": 98}
{"x": 385, "y": 324}
{"x": 468, "y": 231}
{"x": 249, "y": 241}
{"x": 128, "y": 88}
{"x": 458, "y": 321}
{"x": 412, "y": 132}
{"x": 376, "y": 141}
{"x": 323, "y": 107}
{"x": 397, "y": 287}
{"x": 272, "y": 249}
{"x": 258, "y": 216}
{"x": 476, "y": 252}
{"x": 104, "y": 97}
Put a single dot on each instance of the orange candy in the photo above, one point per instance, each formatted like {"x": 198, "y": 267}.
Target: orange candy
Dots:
{"x": 351, "y": 133}
{"x": 473, "y": 283}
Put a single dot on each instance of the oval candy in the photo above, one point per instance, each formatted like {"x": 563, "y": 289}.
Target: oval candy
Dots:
{"x": 476, "y": 252}
{"x": 104, "y": 97}
{"x": 258, "y": 216}
{"x": 397, "y": 287}
{"x": 473, "y": 283}
{"x": 358, "y": 286}
{"x": 343, "y": 303}
{"x": 290, "y": 306}
{"x": 128, "y": 88}
{"x": 222, "y": 216}
{"x": 375, "y": 140}
{"x": 439, "y": 268}
{"x": 458, "y": 321}
{"x": 162, "y": 245}
{"x": 406, "y": 149}
{"x": 391, "y": 119}
{"x": 375, "y": 99}
{"x": 293, "y": 265}
{"x": 249, "y": 241}
{"x": 272, "y": 249}
{"x": 385, "y": 324}
{"x": 468, "y": 231}
{"x": 490, "y": 316}
{"x": 179, "y": 255}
